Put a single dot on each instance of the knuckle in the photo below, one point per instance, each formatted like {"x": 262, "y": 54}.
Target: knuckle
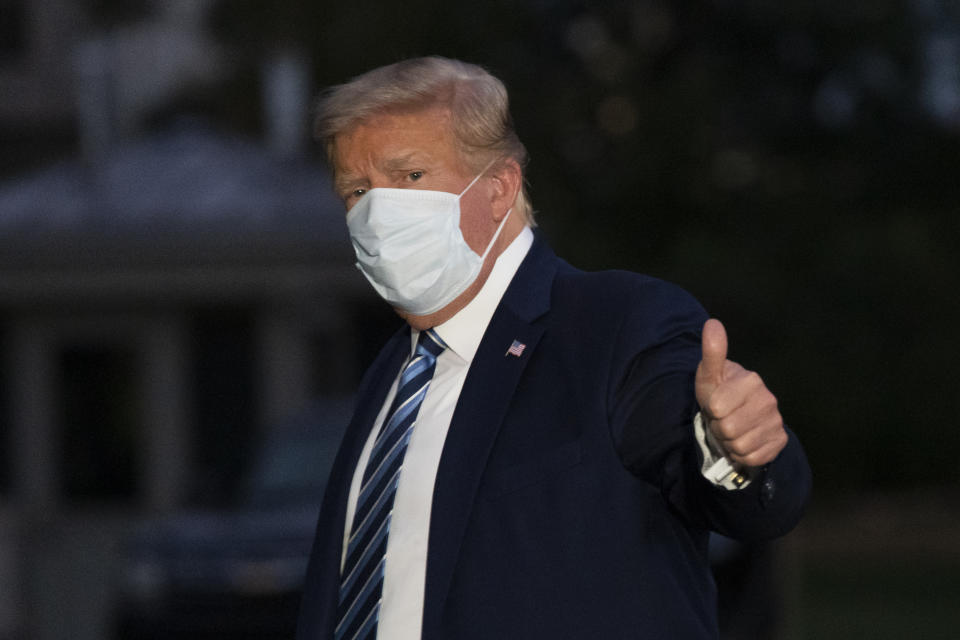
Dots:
{"x": 715, "y": 407}
{"x": 773, "y": 405}
{"x": 726, "y": 429}
{"x": 755, "y": 458}
{"x": 769, "y": 400}
{"x": 752, "y": 460}
{"x": 782, "y": 439}
{"x": 733, "y": 447}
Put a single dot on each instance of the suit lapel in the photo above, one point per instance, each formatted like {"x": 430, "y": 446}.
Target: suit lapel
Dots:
{"x": 487, "y": 392}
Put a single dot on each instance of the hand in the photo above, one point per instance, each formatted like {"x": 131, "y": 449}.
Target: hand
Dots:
{"x": 739, "y": 409}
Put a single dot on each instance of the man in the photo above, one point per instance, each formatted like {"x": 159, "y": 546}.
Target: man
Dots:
{"x": 540, "y": 452}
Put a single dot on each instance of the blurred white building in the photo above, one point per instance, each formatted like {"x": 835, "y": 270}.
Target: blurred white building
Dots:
{"x": 165, "y": 296}
{"x": 45, "y": 42}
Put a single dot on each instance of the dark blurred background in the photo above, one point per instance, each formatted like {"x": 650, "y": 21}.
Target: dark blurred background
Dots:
{"x": 174, "y": 274}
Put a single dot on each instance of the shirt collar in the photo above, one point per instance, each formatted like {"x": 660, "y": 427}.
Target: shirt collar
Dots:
{"x": 464, "y": 331}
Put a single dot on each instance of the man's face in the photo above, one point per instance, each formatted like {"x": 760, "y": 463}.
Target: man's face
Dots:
{"x": 412, "y": 150}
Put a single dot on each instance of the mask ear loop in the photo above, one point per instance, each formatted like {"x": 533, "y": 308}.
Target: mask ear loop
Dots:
{"x": 479, "y": 175}
{"x": 496, "y": 235}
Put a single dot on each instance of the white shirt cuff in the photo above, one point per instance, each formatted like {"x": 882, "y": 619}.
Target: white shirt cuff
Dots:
{"x": 717, "y": 467}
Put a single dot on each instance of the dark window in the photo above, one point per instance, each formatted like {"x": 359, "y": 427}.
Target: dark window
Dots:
{"x": 13, "y": 29}
{"x": 6, "y": 437}
{"x": 375, "y": 322}
{"x": 339, "y": 359}
{"x": 333, "y": 364}
{"x": 98, "y": 418}
{"x": 225, "y": 396}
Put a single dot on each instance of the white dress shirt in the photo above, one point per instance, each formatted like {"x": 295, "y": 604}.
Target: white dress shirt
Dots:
{"x": 401, "y": 609}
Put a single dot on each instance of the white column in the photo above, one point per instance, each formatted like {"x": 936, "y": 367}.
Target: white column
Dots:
{"x": 166, "y": 415}
{"x": 30, "y": 366}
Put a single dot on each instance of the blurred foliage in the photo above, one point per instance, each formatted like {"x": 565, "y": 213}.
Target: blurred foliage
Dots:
{"x": 775, "y": 159}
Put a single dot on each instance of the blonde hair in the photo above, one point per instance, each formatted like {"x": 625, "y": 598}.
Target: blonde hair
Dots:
{"x": 477, "y": 101}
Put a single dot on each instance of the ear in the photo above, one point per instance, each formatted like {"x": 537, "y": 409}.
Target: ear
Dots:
{"x": 506, "y": 180}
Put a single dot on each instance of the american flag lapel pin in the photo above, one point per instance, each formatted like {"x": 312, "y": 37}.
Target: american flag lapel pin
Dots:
{"x": 516, "y": 349}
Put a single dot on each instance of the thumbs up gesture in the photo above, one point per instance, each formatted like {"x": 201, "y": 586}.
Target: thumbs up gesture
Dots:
{"x": 739, "y": 409}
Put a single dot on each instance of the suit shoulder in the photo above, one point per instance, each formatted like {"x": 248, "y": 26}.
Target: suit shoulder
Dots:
{"x": 625, "y": 290}
{"x": 635, "y": 310}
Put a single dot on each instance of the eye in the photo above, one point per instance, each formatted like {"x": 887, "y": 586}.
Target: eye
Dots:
{"x": 415, "y": 175}
{"x": 352, "y": 196}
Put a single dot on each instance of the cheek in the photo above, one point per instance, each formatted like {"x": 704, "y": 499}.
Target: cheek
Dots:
{"x": 476, "y": 224}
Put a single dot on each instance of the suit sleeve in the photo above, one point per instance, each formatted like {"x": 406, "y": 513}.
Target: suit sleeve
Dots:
{"x": 652, "y": 406}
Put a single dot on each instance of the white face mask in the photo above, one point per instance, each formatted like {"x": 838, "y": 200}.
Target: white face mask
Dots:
{"x": 409, "y": 246}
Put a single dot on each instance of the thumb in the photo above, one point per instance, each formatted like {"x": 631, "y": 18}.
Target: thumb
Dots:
{"x": 714, "y": 340}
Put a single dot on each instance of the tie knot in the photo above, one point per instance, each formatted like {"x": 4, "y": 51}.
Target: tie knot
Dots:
{"x": 431, "y": 343}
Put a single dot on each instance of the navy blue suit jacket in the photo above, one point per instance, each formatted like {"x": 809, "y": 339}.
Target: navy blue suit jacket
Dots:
{"x": 568, "y": 502}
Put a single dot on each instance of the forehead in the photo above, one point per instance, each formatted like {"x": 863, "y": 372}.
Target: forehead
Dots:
{"x": 394, "y": 135}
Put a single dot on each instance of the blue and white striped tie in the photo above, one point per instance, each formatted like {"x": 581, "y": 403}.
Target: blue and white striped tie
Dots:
{"x": 361, "y": 581}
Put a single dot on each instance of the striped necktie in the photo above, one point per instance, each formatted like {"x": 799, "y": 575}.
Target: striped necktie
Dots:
{"x": 361, "y": 581}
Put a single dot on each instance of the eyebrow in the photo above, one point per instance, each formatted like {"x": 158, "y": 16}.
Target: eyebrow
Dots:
{"x": 404, "y": 161}
{"x": 345, "y": 180}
